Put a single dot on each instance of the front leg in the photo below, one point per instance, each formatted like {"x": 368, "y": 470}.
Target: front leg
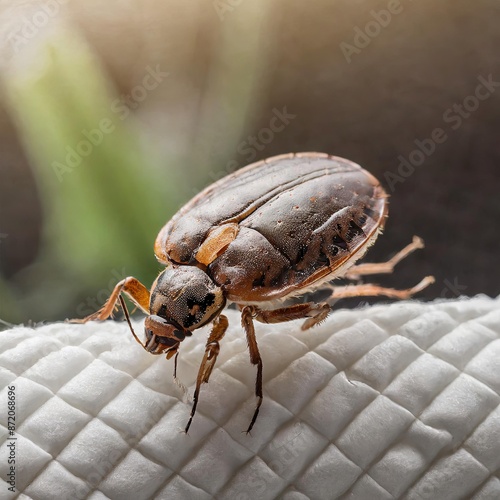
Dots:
{"x": 130, "y": 286}
{"x": 212, "y": 349}
{"x": 247, "y": 314}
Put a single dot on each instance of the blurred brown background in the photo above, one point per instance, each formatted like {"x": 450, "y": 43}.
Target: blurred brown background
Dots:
{"x": 114, "y": 114}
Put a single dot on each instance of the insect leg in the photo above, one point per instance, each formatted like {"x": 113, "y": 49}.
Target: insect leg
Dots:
{"x": 385, "y": 267}
{"x": 370, "y": 290}
{"x": 177, "y": 382}
{"x": 137, "y": 292}
{"x": 212, "y": 349}
{"x": 314, "y": 312}
{"x": 247, "y": 314}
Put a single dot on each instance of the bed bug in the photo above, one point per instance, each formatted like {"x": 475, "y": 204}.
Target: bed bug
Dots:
{"x": 269, "y": 232}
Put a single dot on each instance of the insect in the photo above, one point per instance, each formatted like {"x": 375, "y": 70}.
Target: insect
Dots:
{"x": 271, "y": 231}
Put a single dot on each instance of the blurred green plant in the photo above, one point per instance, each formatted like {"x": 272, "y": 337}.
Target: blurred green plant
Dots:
{"x": 105, "y": 195}
{"x": 103, "y": 200}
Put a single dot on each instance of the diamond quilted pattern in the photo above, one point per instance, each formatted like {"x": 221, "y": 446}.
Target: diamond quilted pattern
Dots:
{"x": 398, "y": 401}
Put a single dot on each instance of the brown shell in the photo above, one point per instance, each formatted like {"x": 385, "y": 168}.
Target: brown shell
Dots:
{"x": 298, "y": 218}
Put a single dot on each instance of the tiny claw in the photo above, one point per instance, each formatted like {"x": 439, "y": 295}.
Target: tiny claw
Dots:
{"x": 428, "y": 280}
{"x": 418, "y": 242}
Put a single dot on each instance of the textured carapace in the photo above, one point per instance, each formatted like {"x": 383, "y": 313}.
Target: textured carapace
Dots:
{"x": 285, "y": 222}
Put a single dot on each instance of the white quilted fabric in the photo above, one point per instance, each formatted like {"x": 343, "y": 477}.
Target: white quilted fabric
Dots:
{"x": 397, "y": 401}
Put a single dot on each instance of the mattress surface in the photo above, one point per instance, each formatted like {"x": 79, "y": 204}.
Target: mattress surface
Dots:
{"x": 382, "y": 402}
